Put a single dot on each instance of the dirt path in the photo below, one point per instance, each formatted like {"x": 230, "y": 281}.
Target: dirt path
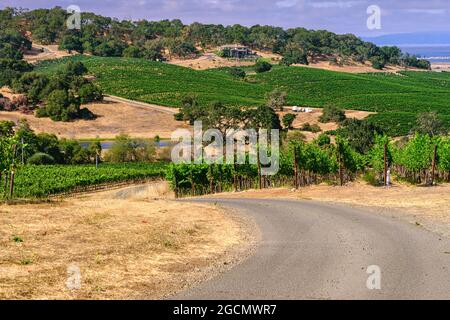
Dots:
{"x": 127, "y": 244}
{"x": 139, "y": 104}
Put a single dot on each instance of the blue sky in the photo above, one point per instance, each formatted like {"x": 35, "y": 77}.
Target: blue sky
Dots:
{"x": 341, "y": 16}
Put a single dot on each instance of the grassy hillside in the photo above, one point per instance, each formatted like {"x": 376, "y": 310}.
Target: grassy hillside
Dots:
{"x": 397, "y": 98}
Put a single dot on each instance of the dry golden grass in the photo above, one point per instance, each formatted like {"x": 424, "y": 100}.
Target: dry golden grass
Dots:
{"x": 113, "y": 119}
{"x": 355, "y": 67}
{"x": 126, "y": 245}
{"x": 210, "y": 60}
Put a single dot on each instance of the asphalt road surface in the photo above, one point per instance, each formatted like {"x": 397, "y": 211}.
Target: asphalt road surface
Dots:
{"x": 311, "y": 250}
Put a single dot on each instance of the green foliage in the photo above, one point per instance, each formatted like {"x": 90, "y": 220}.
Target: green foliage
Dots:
{"x": 43, "y": 181}
{"x": 315, "y": 128}
{"x": 71, "y": 43}
{"x": 127, "y": 149}
{"x": 133, "y": 52}
{"x": 11, "y": 70}
{"x": 237, "y": 73}
{"x": 323, "y": 140}
{"x": 62, "y": 92}
{"x": 376, "y": 154}
{"x": 61, "y": 106}
{"x": 288, "y": 120}
{"x": 430, "y": 124}
{"x": 40, "y": 159}
{"x": 378, "y": 63}
{"x": 332, "y": 113}
{"x": 444, "y": 154}
{"x": 359, "y": 133}
{"x": 294, "y": 56}
{"x": 276, "y": 99}
{"x": 262, "y": 66}
{"x": 416, "y": 155}
{"x": 90, "y": 92}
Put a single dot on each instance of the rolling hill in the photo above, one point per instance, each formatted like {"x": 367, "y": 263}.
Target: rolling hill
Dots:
{"x": 397, "y": 98}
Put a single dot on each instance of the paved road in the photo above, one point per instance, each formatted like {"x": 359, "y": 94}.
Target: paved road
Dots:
{"x": 311, "y": 250}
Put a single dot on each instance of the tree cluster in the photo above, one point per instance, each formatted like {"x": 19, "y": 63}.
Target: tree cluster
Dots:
{"x": 105, "y": 36}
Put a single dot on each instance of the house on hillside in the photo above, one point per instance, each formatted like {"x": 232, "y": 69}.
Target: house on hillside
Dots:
{"x": 236, "y": 51}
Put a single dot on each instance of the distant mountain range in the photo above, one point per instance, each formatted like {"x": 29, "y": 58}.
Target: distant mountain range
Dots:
{"x": 412, "y": 39}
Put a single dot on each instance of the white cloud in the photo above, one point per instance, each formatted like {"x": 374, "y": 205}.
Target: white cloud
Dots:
{"x": 286, "y": 3}
{"x": 335, "y": 4}
{"x": 427, "y": 11}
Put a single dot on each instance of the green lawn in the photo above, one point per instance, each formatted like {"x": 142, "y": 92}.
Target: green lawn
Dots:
{"x": 397, "y": 98}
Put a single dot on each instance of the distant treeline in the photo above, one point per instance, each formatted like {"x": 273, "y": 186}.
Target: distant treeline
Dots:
{"x": 105, "y": 36}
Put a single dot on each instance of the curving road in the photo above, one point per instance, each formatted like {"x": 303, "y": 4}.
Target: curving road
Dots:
{"x": 313, "y": 250}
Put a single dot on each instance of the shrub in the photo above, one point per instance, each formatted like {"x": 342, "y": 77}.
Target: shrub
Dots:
{"x": 288, "y": 120}
{"x": 237, "y": 73}
{"x": 332, "y": 113}
{"x": 371, "y": 178}
{"x": 89, "y": 92}
{"x": 262, "y": 66}
{"x": 126, "y": 149}
{"x": 132, "y": 52}
{"x": 378, "y": 63}
{"x": 41, "y": 158}
{"x": 323, "y": 140}
{"x": 314, "y": 128}
{"x": 61, "y": 106}
{"x": 292, "y": 56}
{"x": 179, "y": 116}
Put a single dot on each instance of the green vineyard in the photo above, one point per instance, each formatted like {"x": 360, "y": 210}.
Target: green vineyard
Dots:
{"x": 43, "y": 181}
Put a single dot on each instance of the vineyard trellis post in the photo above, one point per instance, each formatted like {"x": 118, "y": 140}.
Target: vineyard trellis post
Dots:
{"x": 175, "y": 182}
{"x": 433, "y": 171}
{"x": 385, "y": 166}
{"x": 296, "y": 182}
{"x": 259, "y": 168}
{"x": 11, "y": 183}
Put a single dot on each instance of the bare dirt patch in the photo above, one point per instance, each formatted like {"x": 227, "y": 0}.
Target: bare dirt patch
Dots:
{"x": 8, "y": 93}
{"x": 139, "y": 246}
{"x": 210, "y": 60}
{"x": 355, "y": 67}
{"x": 441, "y": 66}
{"x": 425, "y": 207}
{"x": 41, "y": 53}
{"x": 113, "y": 118}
